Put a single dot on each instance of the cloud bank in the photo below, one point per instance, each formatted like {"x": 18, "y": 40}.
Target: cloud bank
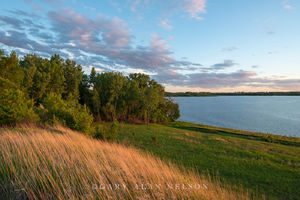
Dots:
{"x": 108, "y": 44}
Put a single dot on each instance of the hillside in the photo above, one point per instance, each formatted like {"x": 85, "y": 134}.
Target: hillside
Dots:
{"x": 57, "y": 163}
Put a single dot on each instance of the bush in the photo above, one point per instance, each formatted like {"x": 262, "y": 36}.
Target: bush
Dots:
{"x": 15, "y": 107}
{"x": 68, "y": 113}
{"x": 107, "y": 132}
{"x": 83, "y": 119}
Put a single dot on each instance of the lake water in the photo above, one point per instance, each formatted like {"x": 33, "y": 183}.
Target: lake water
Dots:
{"x": 269, "y": 114}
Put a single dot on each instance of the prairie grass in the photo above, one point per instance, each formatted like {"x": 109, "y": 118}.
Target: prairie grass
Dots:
{"x": 58, "y": 163}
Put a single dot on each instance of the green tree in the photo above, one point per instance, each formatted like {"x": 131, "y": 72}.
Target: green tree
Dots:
{"x": 10, "y": 69}
{"x": 15, "y": 107}
{"x": 37, "y": 77}
{"x": 73, "y": 76}
{"x": 57, "y": 78}
{"x": 69, "y": 113}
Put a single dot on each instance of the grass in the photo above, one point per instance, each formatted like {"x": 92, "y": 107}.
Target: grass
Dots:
{"x": 262, "y": 163}
{"x": 57, "y": 163}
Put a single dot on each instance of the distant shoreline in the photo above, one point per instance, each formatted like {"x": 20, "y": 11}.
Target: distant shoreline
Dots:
{"x": 209, "y": 94}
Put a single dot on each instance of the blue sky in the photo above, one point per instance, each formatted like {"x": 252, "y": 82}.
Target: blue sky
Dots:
{"x": 187, "y": 45}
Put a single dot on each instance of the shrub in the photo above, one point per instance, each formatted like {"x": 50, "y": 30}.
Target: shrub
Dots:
{"x": 109, "y": 132}
{"x": 15, "y": 107}
{"x": 69, "y": 113}
{"x": 83, "y": 119}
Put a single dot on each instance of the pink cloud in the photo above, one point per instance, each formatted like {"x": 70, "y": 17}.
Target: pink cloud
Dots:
{"x": 194, "y": 7}
{"x": 165, "y": 24}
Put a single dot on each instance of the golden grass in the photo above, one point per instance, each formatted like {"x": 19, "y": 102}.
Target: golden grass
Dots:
{"x": 63, "y": 164}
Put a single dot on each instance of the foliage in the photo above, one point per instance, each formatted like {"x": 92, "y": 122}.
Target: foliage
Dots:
{"x": 7, "y": 84}
{"x": 68, "y": 113}
{"x": 15, "y": 107}
{"x": 9, "y": 68}
{"x": 136, "y": 98}
{"x": 107, "y": 132}
{"x": 67, "y": 94}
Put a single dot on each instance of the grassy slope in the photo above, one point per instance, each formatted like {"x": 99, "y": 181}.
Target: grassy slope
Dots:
{"x": 62, "y": 164}
{"x": 238, "y": 157}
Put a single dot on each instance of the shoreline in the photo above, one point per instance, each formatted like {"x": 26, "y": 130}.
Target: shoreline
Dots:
{"x": 252, "y": 135}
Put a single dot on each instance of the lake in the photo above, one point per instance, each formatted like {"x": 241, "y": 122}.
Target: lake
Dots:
{"x": 268, "y": 114}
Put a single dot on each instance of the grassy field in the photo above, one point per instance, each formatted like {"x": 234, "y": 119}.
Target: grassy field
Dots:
{"x": 57, "y": 163}
{"x": 262, "y": 163}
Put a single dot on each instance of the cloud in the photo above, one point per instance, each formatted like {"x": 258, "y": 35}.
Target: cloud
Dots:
{"x": 240, "y": 78}
{"x": 22, "y": 13}
{"x": 223, "y": 65}
{"x": 20, "y": 40}
{"x": 229, "y": 49}
{"x": 219, "y": 66}
{"x": 103, "y": 40}
{"x": 14, "y": 22}
{"x": 194, "y": 7}
{"x": 88, "y": 33}
{"x": 165, "y": 24}
{"x": 111, "y": 38}
{"x": 89, "y": 8}
{"x": 33, "y": 5}
{"x": 287, "y": 5}
{"x": 207, "y": 80}
{"x": 108, "y": 44}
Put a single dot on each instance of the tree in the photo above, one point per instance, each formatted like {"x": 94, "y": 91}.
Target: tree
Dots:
{"x": 10, "y": 69}
{"x": 68, "y": 94}
{"x": 73, "y": 76}
{"x": 15, "y": 107}
{"x": 69, "y": 113}
{"x": 111, "y": 87}
{"x": 84, "y": 90}
{"x": 57, "y": 79}
{"x": 37, "y": 77}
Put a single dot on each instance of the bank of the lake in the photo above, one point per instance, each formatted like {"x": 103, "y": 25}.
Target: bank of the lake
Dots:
{"x": 262, "y": 163}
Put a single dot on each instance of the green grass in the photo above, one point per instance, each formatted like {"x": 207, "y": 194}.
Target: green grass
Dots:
{"x": 262, "y": 163}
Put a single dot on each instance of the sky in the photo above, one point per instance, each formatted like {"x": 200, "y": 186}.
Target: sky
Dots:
{"x": 186, "y": 45}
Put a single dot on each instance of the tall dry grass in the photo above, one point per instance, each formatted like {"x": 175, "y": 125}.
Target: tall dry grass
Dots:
{"x": 62, "y": 164}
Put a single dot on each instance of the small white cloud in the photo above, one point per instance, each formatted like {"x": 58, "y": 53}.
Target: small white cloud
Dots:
{"x": 172, "y": 37}
{"x": 165, "y": 24}
{"x": 72, "y": 44}
{"x": 194, "y": 8}
{"x": 89, "y": 8}
{"x": 228, "y": 49}
{"x": 287, "y": 5}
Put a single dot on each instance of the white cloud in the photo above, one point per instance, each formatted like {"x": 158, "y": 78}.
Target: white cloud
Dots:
{"x": 72, "y": 44}
{"x": 287, "y": 5}
{"x": 194, "y": 8}
{"x": 165, "y": 24}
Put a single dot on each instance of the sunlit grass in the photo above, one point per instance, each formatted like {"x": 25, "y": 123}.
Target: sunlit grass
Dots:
{"x": 62, "y": 164}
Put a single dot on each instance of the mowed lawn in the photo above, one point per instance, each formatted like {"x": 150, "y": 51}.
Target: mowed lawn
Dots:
{"x": 262, "y": 164}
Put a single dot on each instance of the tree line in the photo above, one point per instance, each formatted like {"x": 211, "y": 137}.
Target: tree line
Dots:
{"x": 50, "y": 90}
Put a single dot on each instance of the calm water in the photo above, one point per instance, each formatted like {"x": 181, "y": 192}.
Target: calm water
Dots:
{"x": 269, "y": 114}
